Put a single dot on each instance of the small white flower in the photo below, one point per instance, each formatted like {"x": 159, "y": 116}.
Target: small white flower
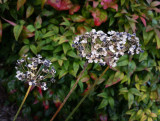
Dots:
{"x": 111, "y": 48}
{"x": 90, "y": 61}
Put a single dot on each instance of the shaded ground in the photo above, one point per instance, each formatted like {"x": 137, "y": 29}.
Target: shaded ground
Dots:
{"x": 7, "y": 112}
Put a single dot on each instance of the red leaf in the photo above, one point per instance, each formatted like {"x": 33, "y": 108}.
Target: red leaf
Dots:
{"x": 157, "y": 10}
{"x": 135, "y": 17}
{"x": 13, "y": 91}
{"x": 60, "y": 4}
{"x": 109, "y": 4}
{"x": 74, "y": 9}
{"x": 20, "y": 3}
{"x": 103, "y": 117}
{"x": 115, "y": 6}
{"x": 40, "y": 91}
{"x": 46, "y": 104}
{"x": 26, "y": 33}
{"x": 57, "y": 104}
{"x": 99, "y": 16}
{"x": 155, "y": 3}
{"x": 95, "y": 4}
{"x": 143, "y": 20}
{"x": 10, "y": 22}
{"x": 0, "y": 31}
{"x": 85, "y": 91}
{"x": 93, "y": 76}
{"x": 144, "y": 16}
{"x": 50, "y": 92}
{"x": 36, "y": 101}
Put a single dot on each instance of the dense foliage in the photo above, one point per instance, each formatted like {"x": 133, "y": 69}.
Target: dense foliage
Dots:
{"x": 131, "y": 91}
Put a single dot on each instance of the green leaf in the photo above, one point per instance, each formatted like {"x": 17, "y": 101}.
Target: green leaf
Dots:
{"x": 147, "y": 36}
{"x": 143, "y": 56}
{"x": 77, "y": 18}
{"x": 66, "y": 65}
{"x": 133, "y": 26}
{"x": 103, "y": 94}
{"x": 122, "y": 2}
{"x": 48, "y": 47}
{"x": 123, "y": 61}
{"x": 135, "y": 91}
{"x": 66, "y": 47}
{"x": 62, "y": 30}
{"x": 123, "y": 90}
{"x": 85, "y": 78}
{"x": 131, "y": 67}
{"x": 31, "y": 28}
{"x": 24, "y": 50}
{"x": 118, "y": 15}
{"x": 36, "y": 35}
{"x": 75, "y": 67}
{"x": 130, "y": 112}
{"x": 72, "y": 54}
{"x": 17, "y": 31}
{"x": 54, "y": 21}
{"x": 0, "y": 31}
{"x": 139, "y": 114}
{"x": 143, "y": 118}
{"x": 60, "y": 62}
{"x": 103, "y": 104}
{"x": 81, "y": 85}
{"x": 26, "y": 41}
{"x": 158, "y": 42}
{"x": 33, "y": 49}
{"x": 29, "y": 11}
{"x": 112, "y": 19}
{"x": 66, "y": 23}
{"x": 111, "y": 102}
{"x": 48, "y": 34}
{"x": 62, "y": 73}
{"x": 72, "y": 83}
{"x": 130, "y": 99}
{"x": 149, "y": 119}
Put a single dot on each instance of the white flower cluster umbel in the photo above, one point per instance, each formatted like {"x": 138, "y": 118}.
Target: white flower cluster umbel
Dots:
{"x": 35, "y": 70}
{"x": 102, "y": 48}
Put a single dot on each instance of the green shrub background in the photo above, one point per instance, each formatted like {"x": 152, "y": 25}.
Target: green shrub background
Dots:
{"x": 38, "y": 26}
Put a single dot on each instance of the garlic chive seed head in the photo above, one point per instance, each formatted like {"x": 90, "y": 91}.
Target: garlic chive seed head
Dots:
{"x": 91, "y": 45}
{"x": 35, "y": 71}
{"x": 102, "y": 48}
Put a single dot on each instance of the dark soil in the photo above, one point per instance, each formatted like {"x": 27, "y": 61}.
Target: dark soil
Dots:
{"x": 7, "y": 112}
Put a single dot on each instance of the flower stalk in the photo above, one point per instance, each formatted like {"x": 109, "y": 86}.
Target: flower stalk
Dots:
{"x": 88, "y": 92}
{"x": 70, "y": 92}
{"x": 34, "y": 71}
{"x": 29, "y": 88}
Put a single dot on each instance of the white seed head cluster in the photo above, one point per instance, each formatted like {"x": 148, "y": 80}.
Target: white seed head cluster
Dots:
{"x": 91, "y": 45}
{"x": 35, "y": 71}
{"x": 102, "y": 48}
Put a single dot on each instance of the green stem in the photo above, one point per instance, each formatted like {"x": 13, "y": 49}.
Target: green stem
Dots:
{"x": 88, "y": 92}
{"x": 22, "y": 103}
{"x": 66, "y": 98}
